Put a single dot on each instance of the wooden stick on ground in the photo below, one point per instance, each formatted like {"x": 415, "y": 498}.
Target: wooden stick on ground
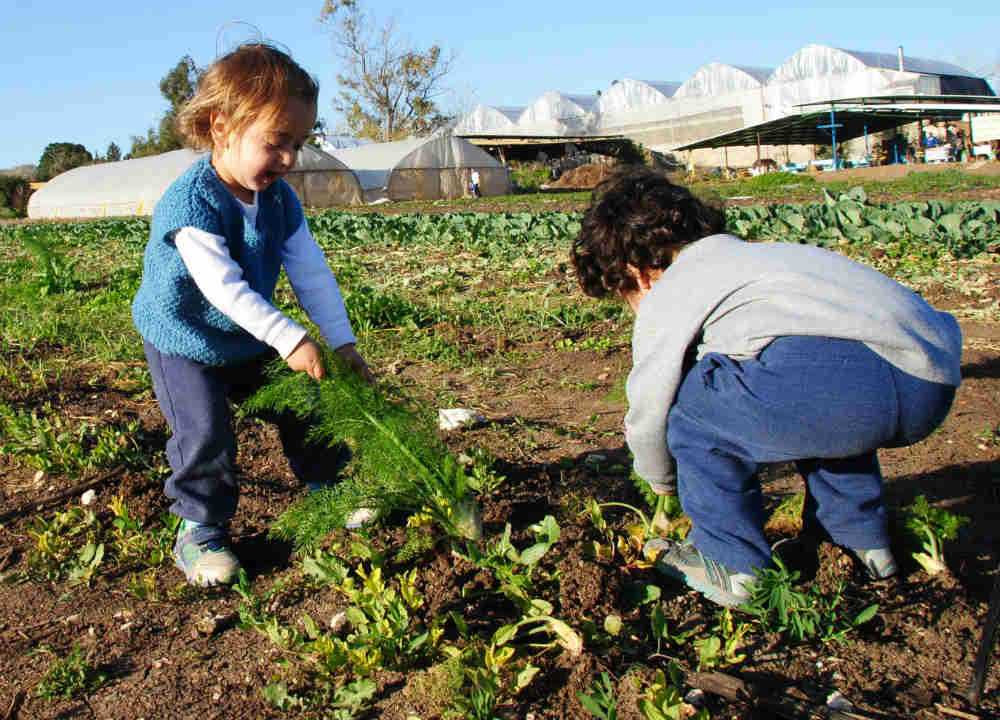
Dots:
{"x": 985, "y": 645}
{"x": 733, "y": 688}
{"x": 15, "y": 705}
{"x": 58, "y": 497}
{"x": 944, "y": 709}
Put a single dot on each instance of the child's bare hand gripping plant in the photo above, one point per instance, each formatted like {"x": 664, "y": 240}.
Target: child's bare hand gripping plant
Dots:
{"x": 307, "y": 357}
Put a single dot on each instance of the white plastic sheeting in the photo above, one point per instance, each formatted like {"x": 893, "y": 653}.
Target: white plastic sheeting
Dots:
{"x": 128, "y": 187}
{"x": 323, "y": 181}
{"x": 133, "y": 187}
{"x": 490, "y": 120}
{"x": 628, "y": 94}
{"x": 431, "y": 168}
{"x": 818, "y": 72}
{"x": 555, "y": 113}
{"x": 328, "y": 143}
{"x": 372, "y": 163}
{"x": 720, "y": 79}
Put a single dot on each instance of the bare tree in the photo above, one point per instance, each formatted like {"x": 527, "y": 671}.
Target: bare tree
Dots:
{"x": 388, "y": 89}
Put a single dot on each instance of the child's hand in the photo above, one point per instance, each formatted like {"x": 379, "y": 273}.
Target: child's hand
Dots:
{"x": 306, "y": 358}
{"x": 350, "y": 355}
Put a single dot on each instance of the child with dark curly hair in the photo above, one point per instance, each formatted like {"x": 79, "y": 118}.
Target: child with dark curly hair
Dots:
{"x": 747, "y": 353}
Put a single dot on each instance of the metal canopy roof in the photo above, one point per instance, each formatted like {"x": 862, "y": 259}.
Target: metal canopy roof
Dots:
{"x": 504, "y": 140}
{"x": 854, "y": 116}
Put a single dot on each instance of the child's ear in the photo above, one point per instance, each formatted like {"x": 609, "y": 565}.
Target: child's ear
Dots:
{"x": 643, "y": 276}
{"x": 218, "y": 125}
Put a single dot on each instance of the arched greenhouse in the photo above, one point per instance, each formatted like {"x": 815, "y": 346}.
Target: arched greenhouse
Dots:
{"x": 133, "y": 187}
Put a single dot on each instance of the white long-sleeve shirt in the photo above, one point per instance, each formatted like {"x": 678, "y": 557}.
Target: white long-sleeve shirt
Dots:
{"x": 220, "y": 280}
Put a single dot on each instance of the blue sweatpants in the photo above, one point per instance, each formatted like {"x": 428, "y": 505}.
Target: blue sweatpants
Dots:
{"x": 195, "y": 400}
{"x": 826, "y": 404}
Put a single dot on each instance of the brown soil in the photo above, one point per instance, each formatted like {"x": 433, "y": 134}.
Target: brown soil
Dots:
{"x": 163, "y": 661}
{"x": 585, "y": 177}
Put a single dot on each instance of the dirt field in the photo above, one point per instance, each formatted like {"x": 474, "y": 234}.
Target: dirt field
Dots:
{"x": 164, "y": 660}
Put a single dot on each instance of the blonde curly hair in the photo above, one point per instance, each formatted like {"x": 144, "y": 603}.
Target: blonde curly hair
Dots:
{"x": 253, "y": 82}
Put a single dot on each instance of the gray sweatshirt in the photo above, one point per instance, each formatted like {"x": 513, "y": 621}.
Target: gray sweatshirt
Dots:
{"x": 727, "y": 296}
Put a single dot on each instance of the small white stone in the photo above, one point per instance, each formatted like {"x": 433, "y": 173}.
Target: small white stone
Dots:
{"x": 88, "y": 497}
{"x": 338, "y": 621}
{"x": 836, "y": 701}
{"x": 695, "y": 697}
{"x": 455, "y": 418}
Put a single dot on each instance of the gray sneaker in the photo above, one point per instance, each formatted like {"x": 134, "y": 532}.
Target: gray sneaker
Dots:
{"x": 202, "y": 553}
{"x": 879, "y": 563}
{"x": 685, "y": 562}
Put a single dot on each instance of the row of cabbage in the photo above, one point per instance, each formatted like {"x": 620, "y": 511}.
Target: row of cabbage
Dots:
{"x": 961, "y": 228}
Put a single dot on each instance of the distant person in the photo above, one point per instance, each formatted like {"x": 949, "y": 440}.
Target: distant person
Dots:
{"x": 960, "y": 151}
{"x": 219, "y": 238}
{"x": 475, "y": 183}
{"x": 748, "y": 353}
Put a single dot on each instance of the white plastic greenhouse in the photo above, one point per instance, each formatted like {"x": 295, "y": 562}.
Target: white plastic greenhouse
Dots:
{"x": 133, "y": 187}
{"x": 557, "y": 114}
{"x": 720, "y": 98}
{"x": 628, "y": 104}
{"x": 129, "y": 187}
{"x": 322, "y": 181}
{"x": 628, "y": 94}
{"x": 721, "y": 79}
{"x": 431, "y": 168}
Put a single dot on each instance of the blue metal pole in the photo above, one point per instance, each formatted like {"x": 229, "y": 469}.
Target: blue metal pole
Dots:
{"x": 833, "y": 134}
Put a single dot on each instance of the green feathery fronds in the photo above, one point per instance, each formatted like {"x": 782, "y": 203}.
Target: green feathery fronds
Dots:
{"x": 398, "y": 462}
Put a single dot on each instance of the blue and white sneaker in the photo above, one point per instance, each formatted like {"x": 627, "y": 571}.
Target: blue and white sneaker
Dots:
{"x": 686, "y": 563}
{"x": 202, "y": 553}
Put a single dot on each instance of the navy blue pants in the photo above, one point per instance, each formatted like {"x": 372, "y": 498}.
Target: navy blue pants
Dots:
{"x": 195, "y": 400}
{"x": 827, "y": 405}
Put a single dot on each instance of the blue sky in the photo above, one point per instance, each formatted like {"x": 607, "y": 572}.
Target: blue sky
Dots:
{"x": 89, "y": 72}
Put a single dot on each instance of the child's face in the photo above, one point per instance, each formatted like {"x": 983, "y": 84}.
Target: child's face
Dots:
{"x": 264, "y": 152}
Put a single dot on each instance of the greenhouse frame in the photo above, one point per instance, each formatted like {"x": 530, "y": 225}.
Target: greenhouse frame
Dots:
{"x": 133, "y": 187}
{"x": 431, "y": 168}
{"x": 719, "y": 100}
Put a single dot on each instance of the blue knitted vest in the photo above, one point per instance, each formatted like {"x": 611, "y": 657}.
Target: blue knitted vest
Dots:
{"x": 169, "y": 310}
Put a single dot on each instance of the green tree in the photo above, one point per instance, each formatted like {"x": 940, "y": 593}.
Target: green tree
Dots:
{"x": 60, "y": 157}
{"x": 114, "y": 153}
{"x": 177, "y": 87}
{"x": 388, "y": 89}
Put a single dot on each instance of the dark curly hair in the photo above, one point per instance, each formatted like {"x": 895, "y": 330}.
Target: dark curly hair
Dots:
{"x": 637, "y": 217}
